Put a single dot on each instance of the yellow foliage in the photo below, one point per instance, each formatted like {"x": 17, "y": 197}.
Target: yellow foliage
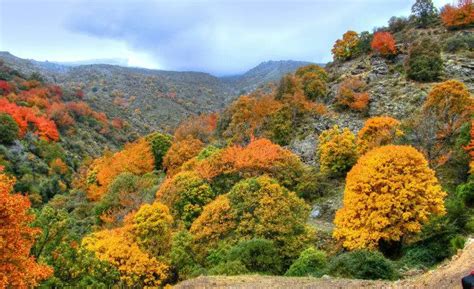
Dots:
{"x": 337, "y": 151}
{"x": 179, "y": 153}
{"x": 345, "y": 48}
{"x": 389, "y": 193}
{"x": 136, "y": 267}
{"x": 377, "y": 131}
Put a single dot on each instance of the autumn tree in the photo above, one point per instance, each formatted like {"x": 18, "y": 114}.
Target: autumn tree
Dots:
{"x": 390, "y": 193}
{"x": 352, "y": 94}
{"x": 186, "y": 193}
{"x": 383, "y": 43}
{"x": 136, "y": 267}
{"x": 458, "y": 16}
{"x": 255, "y": 208}
{"x": 151, "y": 226}
{"x": 377, "y": 131}
{"x": 346, "y": 48}
{"x": 199, "y": 127}
{"x": 424, "y": 12}
{"x": 314, "y": 80}
{"x": 337, "y": 151}
{"x": 449, "y": 104}
{"x": 136, "y": 158}
{"x": 179, "y": 153}
{"x": 17, "y": 268}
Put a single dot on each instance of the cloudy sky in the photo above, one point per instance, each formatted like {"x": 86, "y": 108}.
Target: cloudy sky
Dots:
{"x": 220, "y": 37}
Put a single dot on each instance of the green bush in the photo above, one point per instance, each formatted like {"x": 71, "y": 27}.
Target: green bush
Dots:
{"x": 418, "y": 257}
{"x": 424, "y": 61}
{"x": 182, "y": 256}
{"x": 362, "y": 265}
{"x": 311, "y": 262}
{"x": 457, "y": 243}
{"x": 230, "y": 268}
{"x": 160, "y": 143}
{"x": 459, "y": 42}
{"x": 257, "y": 255}
{"x": 8, "y": 129}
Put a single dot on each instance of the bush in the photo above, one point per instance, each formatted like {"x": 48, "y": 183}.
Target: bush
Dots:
{"x": 424, "y": 61}
{"x": 420, "y": 257}
{"x": 314, "y": 80}
{"x": 311, "y": 262}
{"x": 8, "y": 129}
{"x": 160, "y": 144}
{"x": 397, "y": 24}
{"x": 459, "y": 42}
{"x": 231, "y": 268}
{"x": 352, "y": 94}
{"x": 346, "y": 48}
{"x": 457, "y": 243}
{"x": 337, "y": 151}
{"x": 362, "y": 265}
{"x": 384, "y": 44}
{"x": 257, "y": 255}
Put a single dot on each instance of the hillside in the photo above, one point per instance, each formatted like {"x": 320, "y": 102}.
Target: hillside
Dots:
{"x": 151, "y": 99}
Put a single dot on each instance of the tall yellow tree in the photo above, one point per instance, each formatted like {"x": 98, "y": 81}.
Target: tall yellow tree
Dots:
{"x": 389, "y": 193}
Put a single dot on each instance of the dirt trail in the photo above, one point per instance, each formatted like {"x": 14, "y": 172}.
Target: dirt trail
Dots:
{"x": 446, "y": 275}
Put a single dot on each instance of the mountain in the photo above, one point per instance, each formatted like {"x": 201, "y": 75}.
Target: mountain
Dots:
{"x": 151, "y": 99}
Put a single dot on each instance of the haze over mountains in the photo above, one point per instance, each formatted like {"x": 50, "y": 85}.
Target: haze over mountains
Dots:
{"x": 152, "y": 99}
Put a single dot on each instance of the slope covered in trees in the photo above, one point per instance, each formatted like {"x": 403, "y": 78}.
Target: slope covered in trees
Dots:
{"x": 362, "y": 169}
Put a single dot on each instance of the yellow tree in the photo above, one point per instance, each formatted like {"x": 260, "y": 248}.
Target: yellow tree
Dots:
{"x": 377, "y": 131}
{"x": 179, "y": 153}
{"x": 337, "y": 151}
{"x": 389, "y": 193}
{"x": 346, "y": 47}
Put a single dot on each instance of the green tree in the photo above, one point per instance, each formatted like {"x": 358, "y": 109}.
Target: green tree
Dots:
{"x": 8, "y": 129}
{"x": 424, "y": 61}
{"x": 424, "y": 12}
{"x": 160, "y": 143}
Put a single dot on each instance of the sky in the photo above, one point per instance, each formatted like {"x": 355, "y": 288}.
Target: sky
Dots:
{"x": 221, "y": 37}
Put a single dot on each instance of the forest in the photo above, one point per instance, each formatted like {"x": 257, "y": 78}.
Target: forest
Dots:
{"x": 386, "y": 189}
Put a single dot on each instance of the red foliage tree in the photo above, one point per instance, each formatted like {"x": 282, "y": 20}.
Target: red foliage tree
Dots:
{"x": 384, "y": 44}
{"x": 5, "y": 87}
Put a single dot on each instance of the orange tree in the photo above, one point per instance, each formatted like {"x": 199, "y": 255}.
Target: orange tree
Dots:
{"x": 337, "y": 151}
{"x": 389, "y": 193}
{"x": 179, "y": 153}
{"x": 352, "y": 94}
{"x": 17, "y": 268}
{"x": 458, "y": 16}
{"x": 314, "y": 80}
{"x": 377, "y": 131}
{"x": 346, "y": 48}
{"x": 383, "y": 43}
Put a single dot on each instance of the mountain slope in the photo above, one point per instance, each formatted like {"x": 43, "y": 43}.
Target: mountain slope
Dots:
{"x": 151, "y": 99}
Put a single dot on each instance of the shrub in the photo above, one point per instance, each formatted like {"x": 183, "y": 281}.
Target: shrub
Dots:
{"x": 458, "y": 16}
{"x": 257, "y": 255}
{"x": 362, "y": 265}
{"x": 389, "y": 193}
{"x": 365, "y": 38}
{"x": 457, "y": 243}
{"x": 346, "y": 48}
{"x": 418, "y": 257}
{"x": 8, "y": 129}
{"x": 160, "y": 144}
{"x": 424, "y": 61}
{"x": 397, "y": 24}
{"x": 459, "y": 42}
{"x": 314, "y": 79}
{"x": 352, "y": 94}
{"x": 311, "y": 262}
{"x": 337, "y": 151}
{"x": 384, "y": 44}
{"x": 377, "y": 131}
{"x": 424, "y": 12}
{"x": 231, "y": 268}
{"x": 182, "y": 256}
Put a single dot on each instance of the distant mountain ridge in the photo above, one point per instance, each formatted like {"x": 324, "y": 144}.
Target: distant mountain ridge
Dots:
{"x": 151, "y": 99}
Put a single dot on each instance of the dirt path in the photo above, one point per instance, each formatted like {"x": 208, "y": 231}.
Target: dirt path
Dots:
{"x": 446, "y": 275}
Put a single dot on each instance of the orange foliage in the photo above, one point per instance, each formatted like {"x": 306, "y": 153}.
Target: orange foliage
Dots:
{"x": 384, "y": 44}
{"x": 377, "y": 131}
{"x": 59, "y": 112}
{"x": 198, "y": 127}
{"x": 5, "y": 87}
{"x": 449, "y": 104}
{"x": 24, "y": 116}
{"x": 351, "y": 93}
{"x": 458, "y": 16}
{"x": 389, "y": 193}
{"x": 345, "y": 48}
{"x": 17, "y": 268}
{"x": 57, "y": 166}
{"x": 179, "y": 153}
{"x": 136, "y": 158}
